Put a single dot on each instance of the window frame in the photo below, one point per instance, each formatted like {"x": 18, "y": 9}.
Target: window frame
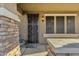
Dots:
{"x": 65, "y": 21}
{"x": 47, "y": 24}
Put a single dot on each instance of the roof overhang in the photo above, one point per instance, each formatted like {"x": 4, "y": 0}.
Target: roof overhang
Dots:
{"x": 50, "y": 7}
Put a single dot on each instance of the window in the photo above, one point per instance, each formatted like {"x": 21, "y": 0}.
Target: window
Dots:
{"x": 70, "y": 24}
{"x": 60, "y": 24}
{"x": 50, "y": 24}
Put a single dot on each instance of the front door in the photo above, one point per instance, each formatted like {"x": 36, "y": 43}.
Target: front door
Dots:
{"x": 32, "y": 28}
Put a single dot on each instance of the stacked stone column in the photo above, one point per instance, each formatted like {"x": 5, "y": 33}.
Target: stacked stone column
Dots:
{"x": 9, "y": 37}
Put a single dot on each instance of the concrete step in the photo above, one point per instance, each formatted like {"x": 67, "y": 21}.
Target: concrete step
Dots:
{"x": 44, "y": 53}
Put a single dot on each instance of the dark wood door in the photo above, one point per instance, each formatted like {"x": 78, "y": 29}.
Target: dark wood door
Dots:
{"x": 32, "y": 28}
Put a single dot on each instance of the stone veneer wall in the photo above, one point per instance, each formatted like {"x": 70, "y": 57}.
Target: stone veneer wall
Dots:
{"x": 9, "y": 37}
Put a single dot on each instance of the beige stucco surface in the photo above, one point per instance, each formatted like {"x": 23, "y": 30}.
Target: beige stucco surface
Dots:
{"x": 23, "y": 27}
{"x": 43, "y": 9}
{"x": 1, "y": 4}
{"x": 42, "y": 27}
{"x": 10, "y": 6}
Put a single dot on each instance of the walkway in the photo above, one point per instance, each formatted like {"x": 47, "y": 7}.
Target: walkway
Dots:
{"x": 35, "y": 49}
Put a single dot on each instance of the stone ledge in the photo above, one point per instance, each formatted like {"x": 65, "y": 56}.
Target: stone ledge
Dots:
{"x": 61, "y": 35}
{"x": 63, "y": 46}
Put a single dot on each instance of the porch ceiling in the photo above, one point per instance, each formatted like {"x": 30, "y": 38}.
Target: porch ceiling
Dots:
{"x": 49, "y": 7}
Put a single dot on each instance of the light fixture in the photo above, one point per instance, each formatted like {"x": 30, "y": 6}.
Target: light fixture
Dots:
{"x": 42, "y": 18}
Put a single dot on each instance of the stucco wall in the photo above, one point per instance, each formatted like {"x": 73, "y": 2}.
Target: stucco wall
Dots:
{"x": 11, "y": 6}
{"x": 42, "y": 28}
{"x": 42, "y": 25}
{"x": 1, "y": 4}
{"x": 42, "y": 9}
{"x": 77, "y": 24}
{"x": 23, "y": 27}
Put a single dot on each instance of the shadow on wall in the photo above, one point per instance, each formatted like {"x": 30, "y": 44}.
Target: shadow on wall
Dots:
{"x": 21, "y": 41}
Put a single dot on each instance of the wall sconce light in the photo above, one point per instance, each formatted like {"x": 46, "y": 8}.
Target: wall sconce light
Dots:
{"x": 42, "y": 18}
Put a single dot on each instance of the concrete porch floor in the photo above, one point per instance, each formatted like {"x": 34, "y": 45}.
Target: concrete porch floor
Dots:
{"x": 34, "y": 49}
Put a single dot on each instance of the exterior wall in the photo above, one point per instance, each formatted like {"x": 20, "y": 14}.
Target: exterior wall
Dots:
{"x": 9, "y": 31}
{"x": 14, "y": 52}
{"x": 77, "y": 24}
{"x": 11, "y": 6}
{"x": 42, "y": 25}
{"x": 1, "y": 4}
{"x": 24, "y": 27}
{"x": 42, "y": 29}
{"x": 42, "y": 9}
{"x": 9, "y": 35}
